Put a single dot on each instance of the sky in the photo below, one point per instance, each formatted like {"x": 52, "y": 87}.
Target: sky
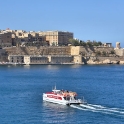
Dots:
{"x": 100, "y": 20}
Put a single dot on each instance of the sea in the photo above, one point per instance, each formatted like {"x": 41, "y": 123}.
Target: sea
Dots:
{"x": 22, "y": 87}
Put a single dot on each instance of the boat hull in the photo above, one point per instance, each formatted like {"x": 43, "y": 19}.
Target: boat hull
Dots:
{"x": 63, "y": 102}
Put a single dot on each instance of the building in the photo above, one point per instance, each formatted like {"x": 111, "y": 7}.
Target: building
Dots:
{"x": 5, "y": 39}
{"x": 118, "y": 45}
{"x": 107, "y": 44}
{"x": 118, "y": 50}
{"x": 46, "y": 38}
{"x": 16, "y": 59}
{"x": 23, "y": 38}
{"x": 38, "y": 60}
{"x": 61, "y": 59}
{"x": 55, "y": 38}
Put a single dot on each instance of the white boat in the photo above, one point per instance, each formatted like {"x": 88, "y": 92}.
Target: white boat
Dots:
{"x": 62, "y": 97}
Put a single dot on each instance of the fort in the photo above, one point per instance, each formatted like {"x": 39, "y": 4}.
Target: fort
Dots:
{"x": 65, "y": 55}
{"x": 54, "y": 47}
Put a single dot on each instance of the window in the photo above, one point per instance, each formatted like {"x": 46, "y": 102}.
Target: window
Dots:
{"x": 20, "y": 34}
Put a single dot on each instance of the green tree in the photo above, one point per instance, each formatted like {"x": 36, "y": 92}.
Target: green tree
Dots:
{"x": 99, "y": 43}
{"x": 89, "y": 43}
{"x": 53, "y": 43}
{"x": 95, "y": 44}
{"x": 82, "y": 43}
{"x": 74, "y": 42}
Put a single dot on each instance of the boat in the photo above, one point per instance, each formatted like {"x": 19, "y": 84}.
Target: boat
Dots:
{"x": 63, "y": 97}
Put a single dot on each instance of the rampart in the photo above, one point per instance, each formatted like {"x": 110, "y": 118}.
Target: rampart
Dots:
{"x": 39, "y": 50}
{"x": 119, "y": 52}
{"x": 60, "y": 54}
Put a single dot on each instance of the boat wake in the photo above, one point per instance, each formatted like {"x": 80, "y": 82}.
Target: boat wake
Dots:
{"x": 100, "y": 109}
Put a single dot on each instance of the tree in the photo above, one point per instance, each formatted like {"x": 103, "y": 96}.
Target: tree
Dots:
{"x": 89, "y": 43}
{"x": 82, "y": 43}
{"x": 100, "y": 43}
{"x": 95, "y": 44}
{"x": 74, "y": 42}
{"x": 53, "y": 43}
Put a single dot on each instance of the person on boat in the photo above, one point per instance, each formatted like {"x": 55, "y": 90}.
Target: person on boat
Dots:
{"x": 62, "y": 91}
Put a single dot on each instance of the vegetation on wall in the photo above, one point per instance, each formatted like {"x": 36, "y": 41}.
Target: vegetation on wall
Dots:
{"x": 98, "y": 53}
{"x": 112, "y": 52}
{"x": 104, "y": 53}
{"x": 75, "y": 42}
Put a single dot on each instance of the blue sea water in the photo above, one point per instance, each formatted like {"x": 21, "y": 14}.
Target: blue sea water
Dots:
{"x": 21, "y": 89}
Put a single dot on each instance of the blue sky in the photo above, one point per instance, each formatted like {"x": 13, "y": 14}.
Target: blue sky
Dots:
{"x": 100, "y": 20}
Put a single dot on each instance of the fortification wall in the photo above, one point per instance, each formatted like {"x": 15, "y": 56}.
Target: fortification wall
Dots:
{"x": 119, "y": 52}
{"x": 75, "y": 50}
{"x": 110, "y": 58}
{"x": 106, "y": 49}
{"x": 48, "y": 50}
{"x": 39, "y": 50}
{"x": 89, "y": 51}
{"x": 3, "y": 56}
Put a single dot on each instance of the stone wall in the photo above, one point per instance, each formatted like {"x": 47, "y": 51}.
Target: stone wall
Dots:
{"x": 103, "y": 60}
{"x": 119, "y": 52}
{"x": 80, "y": 54}
{"x": 39, "y": 51}
{"x": 3, "y": 56}
{"x": 106, "y": 49}
{"x": 75, "y": 50}
{"x": 90, "y": 51}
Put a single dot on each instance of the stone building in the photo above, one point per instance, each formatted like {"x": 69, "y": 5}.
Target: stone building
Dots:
{"x": 61, "y": 59}
{"x": 107, "y": 44}
{"x": 29, "y": 38}
{"x": 118, "y": 50}
{"x": 16, "y": 59}
{"x": 55, "y": 38}
{"x": 5, "y": 39}
{"x": 45, "y": 38}
{"x": 38, "y": 60}
{"x": 117, "y": 45}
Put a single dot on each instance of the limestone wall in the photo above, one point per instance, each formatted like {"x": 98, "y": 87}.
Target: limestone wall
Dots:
{"x": 77, "y": 59}
{"x": 3, "y": 56}
{"x": 48, "y": 50}
{"x": 119, "y": 52}
{"x": 27, "y": 60}
{"x": 75, "y": 50}
{"x": 39, "y": 50}
{"x": 54, "y": 54}
{"x": 110, "y": 58}
{"x": 89, "y": 51}
{"x": 106, "y": 49}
